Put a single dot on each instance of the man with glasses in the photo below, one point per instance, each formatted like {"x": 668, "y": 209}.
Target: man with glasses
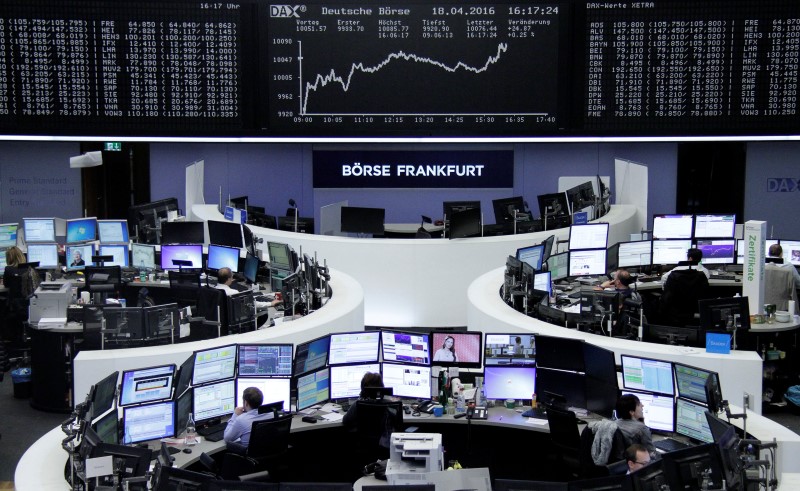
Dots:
{"x": 637, "y": 457}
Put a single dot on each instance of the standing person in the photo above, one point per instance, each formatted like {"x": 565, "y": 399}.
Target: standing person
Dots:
{"x": 631, "y": 422}
{"x": 447, "y": 352}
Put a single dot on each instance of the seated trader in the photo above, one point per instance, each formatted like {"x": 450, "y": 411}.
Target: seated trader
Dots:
{"x": 224, "y": 282}
{"x": 693, "y": 257}
{"x": 621, "y": 283}
{"x": 630, "y": 414}
{"x": 238, "y": 429}
{"x": 368, "y": 380}
{"x": 776, "y": 251}
{"x": 637, "y": 457}
{"x": 683, "y": 287}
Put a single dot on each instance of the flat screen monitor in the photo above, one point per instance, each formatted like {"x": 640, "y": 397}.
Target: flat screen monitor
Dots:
{"x": 3, "y": 262}
{"x": 719, "y": 251}
{"x": 569, "y": 386}
{"x": 722, "y": 314}
{"x": 39, "y": 230}
{"x": 146, "y": 385}
{"x": 670, "y": 251}
{"x": 107, "y": 428}
{"x": 504, "y": 382}
{"x": 602, "y": 387}
{"x": 223, "y": 257}
{"x": 357, "y": 220}
{"x": 313, "y": 388}
{"x": 691, "y": 382}
{"x": 183, "y": 409}
{"x": 354, "y": 347}
{"x": 8, "y": 235}
{"x": 346, "y": 379}
{"x": 548, "y": 246}
{"x": 588, "y": 236}
{"x": 681, "y": 336}
{"x": 714, "y": 226}
{"x": 214, "y": 364}
{"x": 690, "y": 420}
{"x": 791, "y": 251}
{"x": 509, "y": 350}
{"x": 466, "y": 224}
{"x": 449, "y": 208}
{"x": 532, "y": 255}
{"x": 405, "y": 347}
{"x": 44, "y": 254}
{"x": 251, "y": 268}
{"x": 182, "y": 233}
{"x": 505, "y": 209}
{"x": 589, "y": 262}
{"x": 227, "y": 234}
{"x": 658, "y": 410}
{"x": 635, "y": 254}
{"x": 81, "y": 230}
{"x": 714, "y": 400}
{"x": 143, "y": 257}
{"x": 79, "y": 256}
{"x": 647, "y": 375}
{"x": 174, "y": 478}
{"x": 185, "y": 252}
{"x": 105, "y": 392}
{"x": 672, "y": 226}
{"x": 280, "y": 256}
{"x": 265, "y": 360}
{"x": 184, "y": 377}
{"x": 553, "y": 205}
{"x": 542, "y": 282}
{"x": 741, "y": 247}
{"x": 112, "y": 231}
{"x": 213, "y": 400}
{"x": 558, "y": 265}
{"x": 311, "y": 355}
{"x": 612, "y": 261}
{"x": 125, "y": 324}
{"x": 305, "y": 225}
{"x": 560, "y": 353}
{"x": 148, "y": 422}
{"x": 412, "y": 381}
{"x": 650, "y": 477}
{"x": 161, "y": 320}
{"x": 457, "y": 349}
{"x": 136, "y": 460}
{"x": 274, "y": 389}
{"x": 118, "y": 251}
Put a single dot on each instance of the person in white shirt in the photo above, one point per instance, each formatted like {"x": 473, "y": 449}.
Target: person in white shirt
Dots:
{"x": 775, "y": 250}
{"x": 224, "y": 282}
{"x": 693, "y": 256}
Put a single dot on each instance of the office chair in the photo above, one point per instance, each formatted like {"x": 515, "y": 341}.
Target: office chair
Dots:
{"x": 376, "y": 420}
{"x": 516, "y": 485}
{"x": 16, "y": 313}
{"x": 589, "y": 468}
{"x": 267, "y": 452}
{"x": 684, "y": 287}
{"x": 183, "y": 286}
{"x": 210, "y": 318}
{"x": 779, "y": 286}
{"x": 565, "y": 439}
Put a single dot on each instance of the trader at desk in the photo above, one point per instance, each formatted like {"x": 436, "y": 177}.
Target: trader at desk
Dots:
{"x": 776, "y": 251}
{"x": 630, "y": 413}
{"x": 621, "y": 283}
{"x": 225, "y": 283}
{"x": 238, "y": 429}
{"x": 693, "y": 257}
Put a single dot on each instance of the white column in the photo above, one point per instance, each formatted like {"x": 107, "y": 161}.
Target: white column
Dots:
{"x": 755, "y": 233}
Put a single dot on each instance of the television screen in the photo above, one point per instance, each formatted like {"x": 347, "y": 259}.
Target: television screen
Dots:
{"x": 647, "y": 375}
{"x": 313, "y": 388}
{"x": 119, "y": 252}
{"x": 558, "y": 265}
{"x": 633, "y": 254}
{"x": 223, "y": 257}
{"x": 503, "y": 382}
{"x": 39, "y": 230}
{"x": 79, "y": 256}
{"x": 146, "y": 385}
{"x": 560, "y": 353}
{"x": 411, "y": 381}
{"x": 587, "y": 262}
{"x": 214, "y": 364}
{"x": 359, "y": 220}
{"x": 280, "y": 256}
{"x": 670, "y": 251}
{"x": 354, "y": 347}
{"x": 405, "y": 347}
{"x": 182, "y": 233}
{"x": 672, "y": 226}
{"x": 714, "y": 226}
{"x": 186, "y": 252}
{"x": 461, "y": 349}
{"x": 265, "y": 360}
{"x": 225, "y": 234}
{"x": 691, "y": 382}
{"x": 44, "y": 254}
{"x": 346, "y": 379}
{"x": 717, "y": 251}
{"x": 214, "y": 400}
{"x": 81, "y": 230}
{"x": 274, "y": 389}
{"x": 8, "y": 235}
{"x": 532, "y": 255}
{"x": 509, "y": 349}
{"x": 588, "y": 236}
{"x": 690, "y": 420}
{"x": 659, "y": 410}
{"x": 148, "y": 422}
{"x": 143, "y": 257}
{"x": 311, "y": 355}
{"x": 112, "y": 231}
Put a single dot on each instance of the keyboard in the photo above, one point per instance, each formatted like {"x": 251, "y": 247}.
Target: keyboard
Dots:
{"x": 669, "y": 445}
{"x": 215, "y": 437}
{"x": 211, "y": 430}
{"x": 538, "y": 413}
{"x": 726, "y": 277}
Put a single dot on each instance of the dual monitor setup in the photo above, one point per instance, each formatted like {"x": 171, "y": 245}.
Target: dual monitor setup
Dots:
{"x": 257, "y": 215}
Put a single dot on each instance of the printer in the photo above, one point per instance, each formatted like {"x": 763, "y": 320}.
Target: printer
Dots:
{"x": 50, "y": 300}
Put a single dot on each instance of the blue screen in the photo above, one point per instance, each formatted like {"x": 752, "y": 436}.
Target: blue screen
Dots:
{"x": 509, "y": 382}
{"x": 81, "y": 230}
{"x": 223, "y": 257}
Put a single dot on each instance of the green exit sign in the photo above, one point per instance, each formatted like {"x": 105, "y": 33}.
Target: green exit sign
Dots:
{"x": 113, "y": 146}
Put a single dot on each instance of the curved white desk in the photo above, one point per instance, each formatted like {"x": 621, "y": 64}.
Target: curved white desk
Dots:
{"x": 343, "y": 312}
{"x": 420, "y": 282}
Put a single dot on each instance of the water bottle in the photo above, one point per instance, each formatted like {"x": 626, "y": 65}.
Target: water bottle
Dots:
{"x": 191, "y": 431}
{"x": 460, "y": 405}
{"x": 142, "y": 272}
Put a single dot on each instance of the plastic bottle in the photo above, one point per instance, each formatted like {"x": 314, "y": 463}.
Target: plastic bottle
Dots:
{"x": 191, "y": 431}
{"x": 142, "y": 272}
{"x": 460, "y": 405}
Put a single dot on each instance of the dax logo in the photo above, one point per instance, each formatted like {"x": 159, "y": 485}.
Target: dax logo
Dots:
{"x": 783, "y": 185}
{"x": 286, "y": 11}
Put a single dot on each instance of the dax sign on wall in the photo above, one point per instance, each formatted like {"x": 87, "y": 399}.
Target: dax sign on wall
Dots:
{"x": 412, "y": 169}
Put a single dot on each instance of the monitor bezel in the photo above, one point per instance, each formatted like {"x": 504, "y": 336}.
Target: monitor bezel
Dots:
{"x": 124, "y": 223}
{"x": 355, "y": 362}
{"x": 76, "y": 220}
{"x": 177, "y": 268}
{"x": 671, "y": 371}
{"x": 239, "y": 349}
{"x": 222, "y": 379}
{"x": 122, "y": 385}
{"x": 461, "y": 364}
{"x": 127, "y": 409}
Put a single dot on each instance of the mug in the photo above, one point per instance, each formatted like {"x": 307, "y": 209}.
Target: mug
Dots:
{"x": 438, "y": 411}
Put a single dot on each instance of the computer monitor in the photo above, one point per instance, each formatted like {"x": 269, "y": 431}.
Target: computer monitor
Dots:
{"x": 714, "y": 226}
{"x": 39, "y": 230}
{"x": 684, "y": 468}
{"x": 450, "y": 208}
{"x": 548, "y": 247}
{"x": 607, "y": 483}
{"x": 183, "y": 409}
{"x": 223, "y": 257}
{"x": 560, "y": 353}
{"x": 532, "y": 255}
{"x": 103, "y": 279}
{"x": 648, "y": 375}
{"x": 553, "y": 205}
{"x": 250, "y": 271}
{"x": 412, "y": 381}
{"x": 275, "y": 389}
{"x": 690, "y": 421}
{"x": 214, "y": 364}
{"x": 719, "y": 251}
{"x": 148, "y": 422}
{"x": 456, "y": 349}
{"x": 124, "y": 325}
{"x": 182, "y": 233}
{"x": 136, "y": 459}
{"x": 44, "y": 254}
{"x": 305, "y": 225}
{"x": 590, "y": 262}
{"x": 213, "y": 401}
{"x": 542, "y": 282}
{"x": 105, "y": 392}
{"x": 281, "y": 256}
{"x": 148, "y": 217}
{"x": 681, "y": 336}
{"x": 3, "y": 262}
{"x": 612, "y": 261}
{"x": 670, "y": 251}
{"x": 713, "y": 392}
{"x": 107, "y": 428}
{"x": 78, "y": 256}
{"x": 175, "y": 478}
{"x": 673, "y": 226}
{"x": 160, "y": 321}
{"x": 658, "y": 410}
{"x": 507, "y": 382}
{"x": 311, "y": 355}
{"x": 506, "y": 209}
{"x": 649, "y": 478}
{"x": 8, "y": 235}
{"x": 358, "y": 220}
{"x": 510, "y": 349}
{"x": 346, "y": 379}
{"x": 184, "y": 378}
{"x": 143, "y": 257}
{"x": 81, "y": 230}
{"x": 722, "y": 314}
{"x": 313, "y": 388}
{"x": 558, "y": 265}
{"x": 732, "y": 466}
{"x": 466, "y": 224}
{"x": 635, "y": 254}
{"x": 741, "y": 247}
{"x": 602, "y": 388}
{"x": 405, "y": 347}
{"x": 112, "y": 231}
{"x": 185, "y": 252}
{"x": 118, "y": 251}
{"x": 567, "y": 388}
{"x": 588, "y": 236}
{"x": 791, "y": 251}
{"x": 518, "y": 485}
{"x": 227, "y": 234}
{"x": 146, "y": 385}
{"x": 691, "y": 382}
{"x": 354, "y": 347}
{"x": 265, "y": 360}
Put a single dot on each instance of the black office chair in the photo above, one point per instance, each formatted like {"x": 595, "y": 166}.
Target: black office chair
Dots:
{"x": 267, "y": 452}
{"x": 183, "y": 286}
{"x": 210, "y": 318}
{"x": 589, "y": 468}
{"x": 376, "y": 420}
{"x": 684, "y": 287}
{"x": 516, "y": 485}
{"x": 565, "y": 440}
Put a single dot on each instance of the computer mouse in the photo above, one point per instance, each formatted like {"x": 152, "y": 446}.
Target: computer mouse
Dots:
{"x": 187, "y": 450}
